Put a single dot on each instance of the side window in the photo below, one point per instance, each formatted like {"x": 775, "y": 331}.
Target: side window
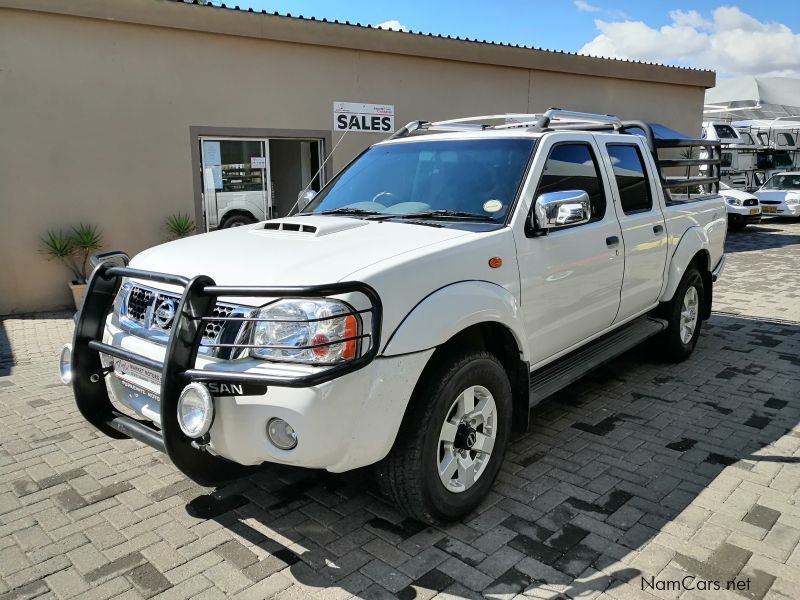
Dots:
{"x": 631, "y": 175}
{"x": 574, "y": 167}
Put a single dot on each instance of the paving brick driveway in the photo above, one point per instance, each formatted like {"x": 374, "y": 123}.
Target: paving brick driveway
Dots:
{"x": 634, "y": 478}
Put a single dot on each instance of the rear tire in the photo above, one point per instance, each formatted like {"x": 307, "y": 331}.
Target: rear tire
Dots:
{"x": 452, "y": 441}
{"x": 683, "y": 313}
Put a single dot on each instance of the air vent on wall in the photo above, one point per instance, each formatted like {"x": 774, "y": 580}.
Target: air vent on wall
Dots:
{"x": 283, "y": 226}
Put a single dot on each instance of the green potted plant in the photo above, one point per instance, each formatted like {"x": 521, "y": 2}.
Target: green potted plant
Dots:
{"x": 73, "y": 250}
{"x": 180, "y": 225}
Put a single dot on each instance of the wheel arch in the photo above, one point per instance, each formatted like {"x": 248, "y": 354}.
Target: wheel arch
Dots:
{"x": 235, "y": 212}
{"x": 498, "y": 340}
{"x": 488, "y": 317}
{"x": 692, "y": 251}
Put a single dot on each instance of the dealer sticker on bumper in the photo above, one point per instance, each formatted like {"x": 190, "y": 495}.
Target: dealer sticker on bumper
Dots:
{"x": 137, "y": 377}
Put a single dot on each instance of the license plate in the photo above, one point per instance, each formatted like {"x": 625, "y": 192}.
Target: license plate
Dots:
{"x": 753, "y": 211}
{"x": 770, "y": 209}
{"x": 137, "y": 377}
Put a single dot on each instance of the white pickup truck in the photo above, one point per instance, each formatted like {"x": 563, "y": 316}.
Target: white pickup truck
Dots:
{"x": 447, "y": 280}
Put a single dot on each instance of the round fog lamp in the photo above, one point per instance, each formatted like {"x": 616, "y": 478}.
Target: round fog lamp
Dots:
{"x": 195, "y": 410}
{"x": 281, "y": 434}
{"x": 65, "y": 364}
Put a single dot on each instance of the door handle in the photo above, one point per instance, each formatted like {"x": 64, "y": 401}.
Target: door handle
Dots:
{"x": 658, "y": 229}
{"x": 612, "y": 242}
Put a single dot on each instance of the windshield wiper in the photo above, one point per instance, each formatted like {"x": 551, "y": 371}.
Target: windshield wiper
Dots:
{"x": 456, "y": 215}
{"x": 346, "y": 211}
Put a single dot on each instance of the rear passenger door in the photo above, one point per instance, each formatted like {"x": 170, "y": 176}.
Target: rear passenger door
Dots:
{"x": 570, "y": 278}
{"x": 644, "y": 233}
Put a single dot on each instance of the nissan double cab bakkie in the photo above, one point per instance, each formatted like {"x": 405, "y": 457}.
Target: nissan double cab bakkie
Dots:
{"x": 411, "y": 314}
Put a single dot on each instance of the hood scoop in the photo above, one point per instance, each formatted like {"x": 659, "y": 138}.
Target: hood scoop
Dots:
{"x": 285, "y": 226}
{"x": 308, "y": 226}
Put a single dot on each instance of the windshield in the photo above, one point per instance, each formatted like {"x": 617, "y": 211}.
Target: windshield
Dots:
{"x": 468, "y": 177}
{"x": 783, "y": 182}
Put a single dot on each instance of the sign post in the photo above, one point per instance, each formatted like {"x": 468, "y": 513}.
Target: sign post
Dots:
{"x": 367, "y": 118}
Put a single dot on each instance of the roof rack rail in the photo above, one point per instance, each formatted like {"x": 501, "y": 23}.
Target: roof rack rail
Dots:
{"x": 531, "y": 121}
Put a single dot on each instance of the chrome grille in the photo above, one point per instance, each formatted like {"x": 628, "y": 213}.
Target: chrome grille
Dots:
{"x": 214, "y": 328}
{"x": 138, "y": 301}
{"x": 750, "y": 202}
{"x": 139, "y": 314}
{"x": 770, "y": 202}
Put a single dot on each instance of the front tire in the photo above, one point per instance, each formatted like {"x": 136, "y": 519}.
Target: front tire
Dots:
{"x": 237, "y": 220}
{"x": 452, "y": 441}
{"x": 683, "y": 314}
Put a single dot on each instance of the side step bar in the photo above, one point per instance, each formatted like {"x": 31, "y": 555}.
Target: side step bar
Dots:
{"x": 566, "y": 370}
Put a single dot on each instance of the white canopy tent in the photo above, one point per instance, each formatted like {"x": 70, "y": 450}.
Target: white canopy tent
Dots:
{"x": 754, "y": 98}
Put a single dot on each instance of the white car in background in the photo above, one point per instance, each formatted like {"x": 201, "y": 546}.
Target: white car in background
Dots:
{"x": 780, "y": 195}
{"x": 743, "y": 207}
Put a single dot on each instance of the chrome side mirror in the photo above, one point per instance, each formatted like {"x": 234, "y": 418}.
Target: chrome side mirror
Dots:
{"x": 559, "y": 209}
{"x": 304, "y": 198}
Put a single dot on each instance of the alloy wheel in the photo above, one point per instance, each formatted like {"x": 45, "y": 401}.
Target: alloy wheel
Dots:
{"x": 467, "y": 439}
{"x": 689, "y": 314}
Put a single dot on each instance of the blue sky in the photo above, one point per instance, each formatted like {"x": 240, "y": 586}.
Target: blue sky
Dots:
{"x": 643, "y": 29}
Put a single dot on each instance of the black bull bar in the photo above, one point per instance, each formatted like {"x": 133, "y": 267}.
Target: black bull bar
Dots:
{"x": 194, "y": 310}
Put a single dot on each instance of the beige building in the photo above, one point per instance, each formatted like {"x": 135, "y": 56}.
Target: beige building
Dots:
{"x": 121, "y": 113}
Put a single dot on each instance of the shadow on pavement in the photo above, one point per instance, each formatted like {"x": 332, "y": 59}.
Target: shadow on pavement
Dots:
{"x": 610, "y": 463}
{"x": 6, "y": 356}
{"x": 756, "y": 238}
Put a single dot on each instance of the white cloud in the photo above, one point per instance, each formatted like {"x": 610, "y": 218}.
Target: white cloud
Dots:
{"x": 730, "y": 42}
{"x": 690, "y": 18}
{"x": 394, "y": 25}
{"x": 583, "y": 6}
{"x": 612, "y": 13}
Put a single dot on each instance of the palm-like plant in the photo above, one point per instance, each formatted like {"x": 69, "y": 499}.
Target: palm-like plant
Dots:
{"x": 59, "y": 246}
{"x": 180, "y": 225}
{"x": 86, "y": 239}
{"x": 73, "y": 249}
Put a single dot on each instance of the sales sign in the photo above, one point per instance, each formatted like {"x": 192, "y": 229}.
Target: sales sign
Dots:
{"x": 357, "y": 116}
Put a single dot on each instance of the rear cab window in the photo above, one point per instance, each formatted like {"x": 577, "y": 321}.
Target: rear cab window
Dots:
{"x": 630, "y": 175}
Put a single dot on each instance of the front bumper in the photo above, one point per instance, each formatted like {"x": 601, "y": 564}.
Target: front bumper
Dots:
{"x": 781, "y": 210}
{"x": 747, "y": 219}
{"x": 342, "y": 424}
{"x": 179, "y": 366}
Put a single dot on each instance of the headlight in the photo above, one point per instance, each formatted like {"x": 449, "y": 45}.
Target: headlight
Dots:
{"x": 306, "y": 331}
{"x": 792, "y": 199}
{"x": 733, "y": 201}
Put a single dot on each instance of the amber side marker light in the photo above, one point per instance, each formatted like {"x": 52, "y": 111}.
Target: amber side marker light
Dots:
{"x": 495, "y": 262}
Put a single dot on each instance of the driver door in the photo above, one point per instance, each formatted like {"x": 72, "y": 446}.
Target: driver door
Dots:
{"x": 571, "y": 277}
